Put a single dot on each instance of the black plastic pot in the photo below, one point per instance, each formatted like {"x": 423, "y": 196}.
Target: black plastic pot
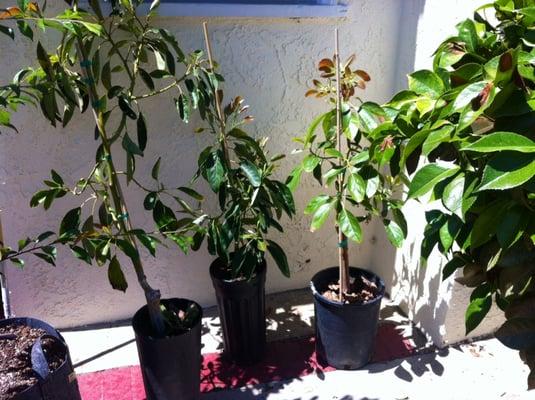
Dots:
{"x": 242, "y": 311}
{"x": 60, "y": 384}
{"x": 345, "y": 333}
{"x": 171, "y": 366}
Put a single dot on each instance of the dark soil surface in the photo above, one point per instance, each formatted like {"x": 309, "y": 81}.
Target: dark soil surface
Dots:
{"x": 360, "y": 290}
{"x": 16, "y": 374}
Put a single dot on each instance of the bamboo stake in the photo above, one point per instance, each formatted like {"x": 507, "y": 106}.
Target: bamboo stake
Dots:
{"x": 343, "y": 256}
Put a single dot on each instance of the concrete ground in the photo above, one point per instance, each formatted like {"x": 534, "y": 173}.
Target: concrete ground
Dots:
{"x": 480, "y": 370}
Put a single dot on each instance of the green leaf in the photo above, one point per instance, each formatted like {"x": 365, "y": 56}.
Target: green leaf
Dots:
{"x": 517, "y": 333}
{"x": 280, "y": 258}
{"x": 93, "y": 28}
{"x": 452, "y": 197}
{"x": 9, "y": 32}
{"x": 215, "y": 172}
{"x": 502, "y": 141}
{"x": 512, "y": 226}
{"x": 125, "y": 107}
{"x": 507, "y": 170}
{"x": 470, "y": 92}
{"x": 350, "y": 226}
{"x": 116, "y": 275}
{"x": 150, "y": 201}
{"x": 321, "y": 215}
{"x": 141, "y": 132}
{"x": 452, "y": 266}
{"x": 426, "y": 83}
{"x": 81, "y": 254}
{"x": 130, "y": 146}
{"x": 356, "y": 187}
{"x": 70, "y": 221}
{"x": 309, "y": 137}
{"x": 106, "y": 76}
{"x": 436, "y": 138}
{"x": 190, "y": 192}
{"x": 394, "y": 233}
{"x": 486, "y": 223}
{"x": 163, "y": 215}
{"x": 252, "y": 173}
{"x": 310, "y": 162}
{"x": 316, "y": 202}
{"x": 480, "y": 302}
{"x": 183, "y": 108}
{"x": 147, "y": 79}
{"x": 427, "y": 177}
{"x": 293, "y": 179}
{"x": 25, "y": 29}
{"x": 468, "y": 34}
{"x": 156, "y": 169}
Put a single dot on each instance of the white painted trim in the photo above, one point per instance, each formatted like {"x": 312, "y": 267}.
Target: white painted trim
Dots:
{"x": 248, "y": 10}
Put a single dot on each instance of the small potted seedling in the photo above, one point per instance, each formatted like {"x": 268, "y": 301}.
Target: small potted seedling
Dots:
{"x": 251, "y": 200}
{"x": 348, "y": 159}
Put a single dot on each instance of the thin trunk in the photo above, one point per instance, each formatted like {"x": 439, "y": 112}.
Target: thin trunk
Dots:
{"x": 343, "y": 256}
{"x": 151, "y": 295}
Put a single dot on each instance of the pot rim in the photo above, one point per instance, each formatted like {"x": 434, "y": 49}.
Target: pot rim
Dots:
{"x": 261, "y": 271}
{"x": 323, "y": 299}
{"x": 139, "y": 332}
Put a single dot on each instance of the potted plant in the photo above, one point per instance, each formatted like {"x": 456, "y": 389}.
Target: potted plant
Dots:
{"x": 239, "y": 171}
{"x": 349, "y": 158}
{"x": 91, "y": 69}
{"x": 473, "y": 117}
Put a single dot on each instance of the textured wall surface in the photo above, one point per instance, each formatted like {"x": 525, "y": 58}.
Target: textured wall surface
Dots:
{"x": 269, "y": 62}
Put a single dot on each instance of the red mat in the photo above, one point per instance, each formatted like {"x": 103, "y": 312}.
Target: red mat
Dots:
{"x": 284, "y": 360}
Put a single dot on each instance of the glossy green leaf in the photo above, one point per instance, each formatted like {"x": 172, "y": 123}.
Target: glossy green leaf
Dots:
{"x": 452, "y": 197}
{"x": 502, "y": 141}
{"x": 356, "y": 187}
{"x": 252, "y": 173}
{"x": 480, "y": 302}
{"x": 321, "y": 215}
{"x": 468, "y": 34}
{"x": 279, "y": 256}
{"x": 350, "y": 225}
{"x": 426, "y": 83}
{"x": 316, "y": 202}
{"x": 116, "y": 275}
{"x": 427, "y": 177}
{"x": 394, "y": 233}
{"x": 141, "y": 132}
{"x": 507, "y": 170}
{"x": 156, "y": 169}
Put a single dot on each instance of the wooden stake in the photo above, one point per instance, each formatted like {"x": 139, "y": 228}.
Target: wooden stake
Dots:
{"x": 343, "y": 256}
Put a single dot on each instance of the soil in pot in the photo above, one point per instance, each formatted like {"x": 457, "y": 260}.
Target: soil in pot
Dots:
{"x": 361, "y": 289}
{"x": 16, "y": 373}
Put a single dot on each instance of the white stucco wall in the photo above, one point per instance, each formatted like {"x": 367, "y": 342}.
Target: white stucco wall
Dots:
{"x": 269, "y": 62}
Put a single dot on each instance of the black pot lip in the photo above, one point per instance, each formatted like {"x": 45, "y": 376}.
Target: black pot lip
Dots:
{"x": 323, "y": 299}
{"x": 139, "y": 312}
{"x": 216, "y": 275}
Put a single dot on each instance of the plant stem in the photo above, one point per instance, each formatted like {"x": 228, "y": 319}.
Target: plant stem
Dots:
{"x": 222, "y": 133}
{"x": 343, "y": 256}
{"x": 152, "y": 295}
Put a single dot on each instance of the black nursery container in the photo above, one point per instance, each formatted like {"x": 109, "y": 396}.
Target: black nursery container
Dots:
{"x": 171, "y": 365}
{"x": 243, "y": 313}
{"x": 60, "y": 384}
{"x": 345, "y": 333}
